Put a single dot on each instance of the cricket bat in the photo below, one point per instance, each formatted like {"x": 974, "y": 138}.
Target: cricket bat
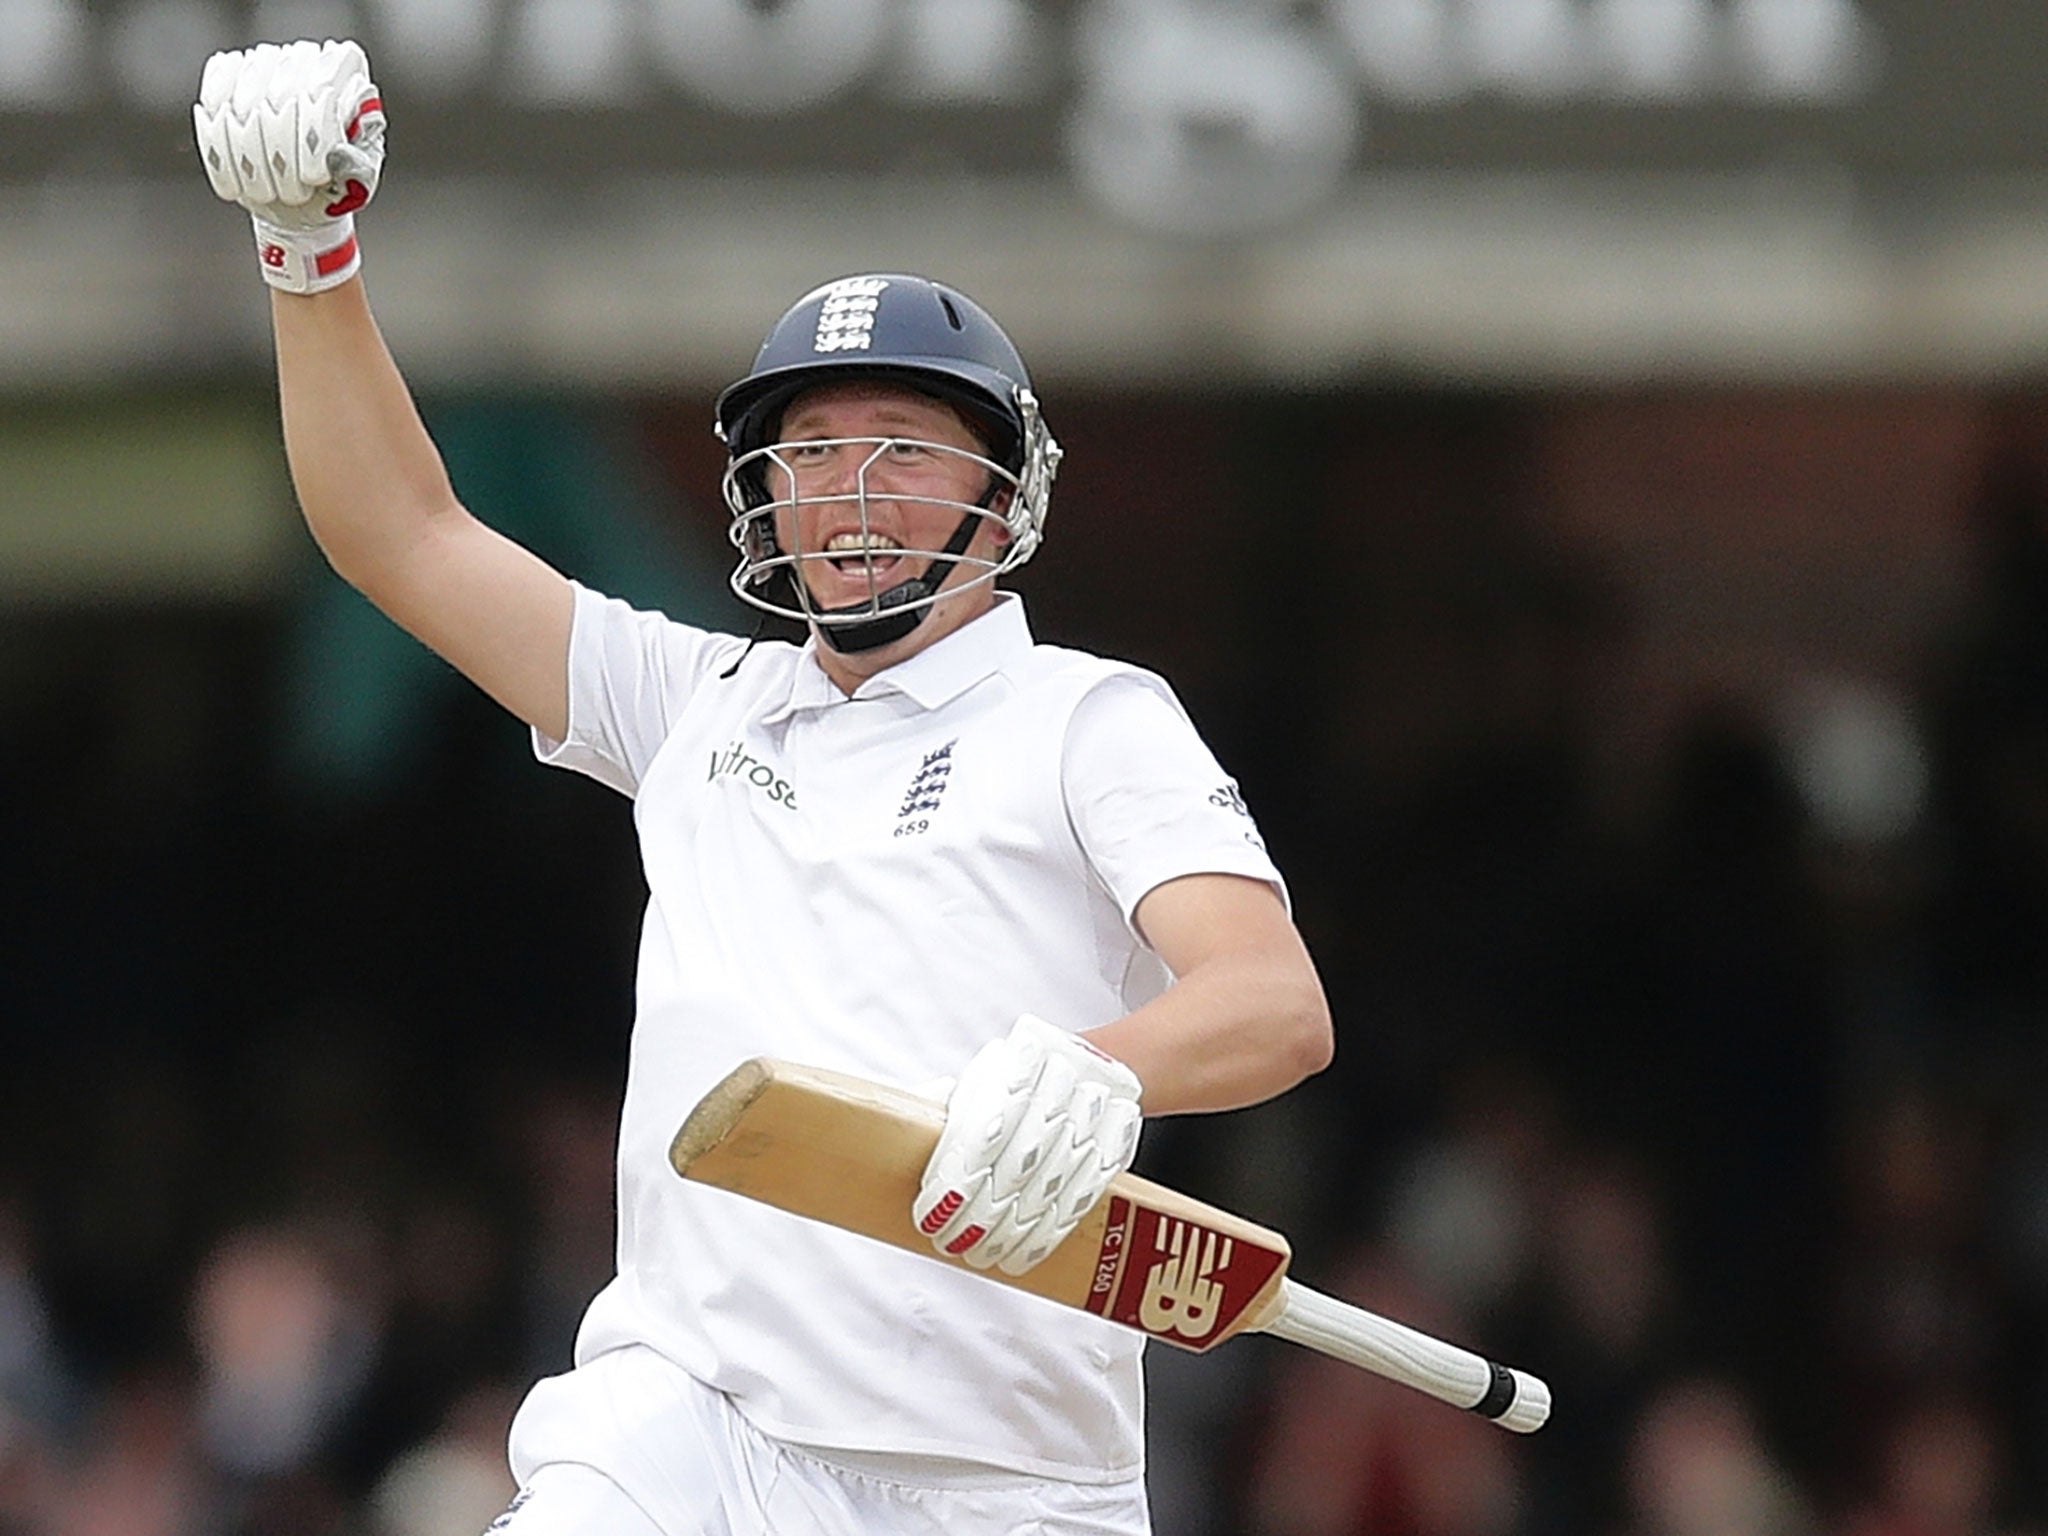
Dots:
{"x": 848, "y": 1152}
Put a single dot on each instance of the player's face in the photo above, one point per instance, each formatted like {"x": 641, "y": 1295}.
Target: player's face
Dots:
{"x": 880, "y": 479}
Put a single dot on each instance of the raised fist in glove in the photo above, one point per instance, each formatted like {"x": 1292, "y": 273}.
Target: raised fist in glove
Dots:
{"x": 1037, "y": 1126}
{"x": 294, "y": 132}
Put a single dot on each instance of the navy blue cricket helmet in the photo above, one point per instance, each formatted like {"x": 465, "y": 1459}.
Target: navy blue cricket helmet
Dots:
{"x": 890, "y": 328}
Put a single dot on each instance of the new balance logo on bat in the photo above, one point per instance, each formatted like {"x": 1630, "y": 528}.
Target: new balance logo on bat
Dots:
{"x": 1175, "y": 1278}
{"x": 1182, "y": 1292}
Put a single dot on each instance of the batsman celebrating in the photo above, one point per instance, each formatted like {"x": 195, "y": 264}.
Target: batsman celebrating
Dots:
{"x": 918, "y": 847}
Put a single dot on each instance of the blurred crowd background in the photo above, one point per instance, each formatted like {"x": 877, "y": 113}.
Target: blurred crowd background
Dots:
{"x": 1584, "y": 464}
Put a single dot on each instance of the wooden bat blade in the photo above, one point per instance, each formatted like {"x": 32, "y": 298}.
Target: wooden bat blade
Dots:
{"x": 849, "y": 1153}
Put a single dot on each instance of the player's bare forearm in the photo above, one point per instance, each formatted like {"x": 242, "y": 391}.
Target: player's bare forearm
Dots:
{"x": 1235, "y": 1031}
{"x": 1244, "y": 1020}
{"x": 368, "y": 477}
{"x": 379, "y": 503}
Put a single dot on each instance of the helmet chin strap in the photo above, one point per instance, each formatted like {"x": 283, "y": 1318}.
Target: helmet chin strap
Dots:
{"x": 887, "y": 627}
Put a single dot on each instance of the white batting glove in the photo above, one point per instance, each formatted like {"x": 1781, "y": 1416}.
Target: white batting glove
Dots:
{"x": 1038, "y": 1125}
{"x": 294, "y": 132}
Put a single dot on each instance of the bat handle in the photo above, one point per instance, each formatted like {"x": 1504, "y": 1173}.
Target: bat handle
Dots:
{"x": 1512, "y": 1399}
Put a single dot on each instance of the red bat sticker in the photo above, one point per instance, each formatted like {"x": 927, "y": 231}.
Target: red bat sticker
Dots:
{"x": 1175, "y": 1279}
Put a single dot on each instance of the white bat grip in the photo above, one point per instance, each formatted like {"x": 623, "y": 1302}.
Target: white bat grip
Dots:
{"x": 1512, "y": 1399}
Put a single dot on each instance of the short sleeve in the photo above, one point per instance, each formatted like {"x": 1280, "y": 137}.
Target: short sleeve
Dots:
{"x": 630, "y": 675}
{"x": 1147, "y": 799}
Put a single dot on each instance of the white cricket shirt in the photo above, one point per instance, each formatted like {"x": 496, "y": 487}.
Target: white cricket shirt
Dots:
{"x": 879, "y": 884}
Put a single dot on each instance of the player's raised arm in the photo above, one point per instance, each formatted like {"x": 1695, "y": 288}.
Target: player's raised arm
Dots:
{"x": 295, "y": 134}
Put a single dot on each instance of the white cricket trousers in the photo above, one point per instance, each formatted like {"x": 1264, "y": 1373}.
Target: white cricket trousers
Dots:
{"x": 632, "y": 1445}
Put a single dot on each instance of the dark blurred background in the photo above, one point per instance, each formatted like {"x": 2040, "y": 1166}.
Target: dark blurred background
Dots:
{"x": 1584, "y": 464}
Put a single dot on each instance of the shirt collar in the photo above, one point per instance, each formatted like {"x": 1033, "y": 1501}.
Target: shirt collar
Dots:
{"x": 935, "y": 676}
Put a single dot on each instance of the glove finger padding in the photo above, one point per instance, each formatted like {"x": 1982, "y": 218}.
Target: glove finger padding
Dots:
{"x": 1038, "y": 1126}
{"x": 982, "y": 1111}
{"x": 265, "y": 145}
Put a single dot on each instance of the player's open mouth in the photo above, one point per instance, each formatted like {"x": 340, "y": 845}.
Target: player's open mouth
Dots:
{"x": 852, "y": 553}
